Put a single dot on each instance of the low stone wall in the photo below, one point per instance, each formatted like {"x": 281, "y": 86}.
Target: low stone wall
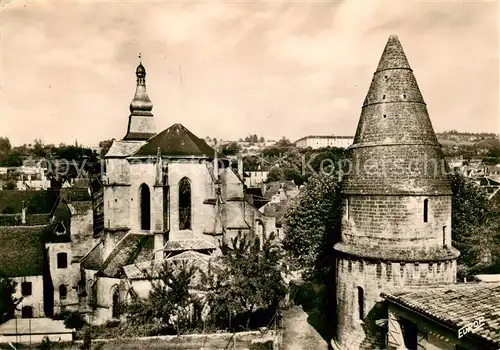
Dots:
{"x": 240, "y": 340}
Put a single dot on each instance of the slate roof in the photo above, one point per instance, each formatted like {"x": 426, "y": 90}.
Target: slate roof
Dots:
{"x": 188, "y": 244}
{"x": 176, "y": 141}
{"x": 22, "y": 249}
{"x": 93, "y": 259}
{"x": 122, "y": 149}
{"x": 456, "y": 306}
{"x": 395, "y": 150}
{"x": 373, "y": 252}
{"x": 132, "y": 248}
{"x": 150, "y": 268}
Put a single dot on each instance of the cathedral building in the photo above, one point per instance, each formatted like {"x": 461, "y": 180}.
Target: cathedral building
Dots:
{"x": 167, "y": 195}
{"x": 396, "y": 219}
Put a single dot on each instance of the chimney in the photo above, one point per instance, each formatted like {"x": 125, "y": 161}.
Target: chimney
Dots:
{"x": 23, "y": 214}
{"x": 240, "y": 166}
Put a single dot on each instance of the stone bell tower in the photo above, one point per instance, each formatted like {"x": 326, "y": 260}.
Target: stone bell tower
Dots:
{"x": 396, "y": 220}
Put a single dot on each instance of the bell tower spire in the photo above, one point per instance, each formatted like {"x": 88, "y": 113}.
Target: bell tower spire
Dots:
{"x": 141, "y": 125}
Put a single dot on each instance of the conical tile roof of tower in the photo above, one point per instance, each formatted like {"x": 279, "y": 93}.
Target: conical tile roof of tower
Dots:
{"x": 395, "y": 150}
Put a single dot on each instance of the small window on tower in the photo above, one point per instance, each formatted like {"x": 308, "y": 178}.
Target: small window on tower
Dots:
{"x": 426, "y": 209}
{"x": 444, "y": 236}
{"x": 347, "y": 208}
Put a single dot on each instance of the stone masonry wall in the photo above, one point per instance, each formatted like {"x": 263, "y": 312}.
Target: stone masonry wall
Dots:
{"x": 374, "y": 278}
{"x": 396, "y": 221}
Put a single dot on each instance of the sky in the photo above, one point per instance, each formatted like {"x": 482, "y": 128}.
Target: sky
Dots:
{"x": 229, "y": 69}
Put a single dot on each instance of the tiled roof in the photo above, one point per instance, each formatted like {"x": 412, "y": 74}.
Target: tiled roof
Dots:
{"x": 176, "y": 141}
{"x": 395, "y": 136}
{"x": 126, "y": 252}
{"x": 374, "y": 252}
{"x": 93, "y": 259}
{"x": 22, "y": 250}
{"x": 457, "y": 305}
{"x": 123, "y": 148}
{"x": 149, "y": 268}
{"x": 188, "y": 244}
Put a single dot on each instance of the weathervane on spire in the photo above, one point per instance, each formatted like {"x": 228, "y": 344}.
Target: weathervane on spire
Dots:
{"x": 140, "y": 58}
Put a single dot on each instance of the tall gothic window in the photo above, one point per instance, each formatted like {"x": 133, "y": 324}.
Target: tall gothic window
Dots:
{"x": 184, "y": 204}
{"x": 426, "y": 210}
{"x": 115, "y": 311}
{"x": 361, "y": 303}
{"x": 145, "y": 209}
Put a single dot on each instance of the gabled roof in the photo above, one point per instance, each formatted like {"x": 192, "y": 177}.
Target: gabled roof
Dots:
{"x": 457, "y": 305}
{"x": 22, "y": 249}
{"x": 176, "y": 141}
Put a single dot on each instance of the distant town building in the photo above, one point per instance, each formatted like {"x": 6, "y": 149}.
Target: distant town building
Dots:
{"x": 316, "y": 142}
{"x": 255, "y": 178}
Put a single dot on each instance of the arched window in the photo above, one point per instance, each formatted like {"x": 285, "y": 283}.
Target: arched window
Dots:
{"x": 361, "y": 303}
{"x": 426, "y": 209}
{"x": 260, "y": 228}
{"x": 184, "y": 204}
{"x": 63, "y": 292}
{"x": 115, "y": 312}
{"x": 145, "y": 209}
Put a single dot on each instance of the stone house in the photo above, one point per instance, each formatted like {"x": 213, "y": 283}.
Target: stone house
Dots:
{"x": 40, "y": 244}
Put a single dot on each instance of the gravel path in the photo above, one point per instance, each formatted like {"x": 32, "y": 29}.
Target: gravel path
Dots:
{"x": 299, "y": 334}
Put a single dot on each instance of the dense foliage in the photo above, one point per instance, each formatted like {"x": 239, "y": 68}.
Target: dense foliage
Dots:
{"x": 311, "y": 225}
{"x": 246, "y": 281}
{"x": 475, "y": 227}
{"x": 8, "y": 302}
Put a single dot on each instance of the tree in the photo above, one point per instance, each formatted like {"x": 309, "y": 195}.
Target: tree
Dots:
{"x": 247, "y": 277}
{"x": 262, "y": 139}
{"x": 4, "y": 149}
{"x": 170, "y": 296}
{"x": 8, "y": 302}
{"x": 105, "y": 145}
{"x": 275, "y": 174}
{"x": 475, "y": 226}
{"x": 74, "y": 320}
{"x": 312, "y": 225}
{"x": 283, "y": 142}
{"x": 231, "y": 149}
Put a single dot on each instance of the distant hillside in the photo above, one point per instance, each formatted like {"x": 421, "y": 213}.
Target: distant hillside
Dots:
{"x": 479, "y": 140}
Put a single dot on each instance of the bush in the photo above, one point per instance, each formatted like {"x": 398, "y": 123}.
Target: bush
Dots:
{"x": 46, "y": 344}
{"x": 73, "y": 319}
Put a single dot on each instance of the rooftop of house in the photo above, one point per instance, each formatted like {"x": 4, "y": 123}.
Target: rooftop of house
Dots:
{"x": 176, "y": 141}
{"x": 22, "y": 249}
{"x": 456, "y": 306}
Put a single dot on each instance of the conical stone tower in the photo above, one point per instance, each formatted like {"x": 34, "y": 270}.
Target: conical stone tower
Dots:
{"x": 396, "y": 222}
